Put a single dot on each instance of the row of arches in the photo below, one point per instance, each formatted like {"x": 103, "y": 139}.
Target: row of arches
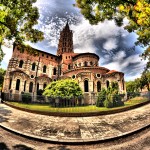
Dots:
{"x": 25, "y": 82}
{"x": 33, "y": 67}
{"x": 86, "y": 64}
{"x": 86, "y": 86}
{"x": 98, "y": 85}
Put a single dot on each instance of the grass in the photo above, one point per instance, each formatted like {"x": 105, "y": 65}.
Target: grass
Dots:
{"x": 77, "y": 109}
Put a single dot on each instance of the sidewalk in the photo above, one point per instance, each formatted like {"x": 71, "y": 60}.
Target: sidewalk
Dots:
{"x": 74, "y": 129}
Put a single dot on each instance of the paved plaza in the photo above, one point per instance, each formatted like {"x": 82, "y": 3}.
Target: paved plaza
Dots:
{"x": 74, "y": 129}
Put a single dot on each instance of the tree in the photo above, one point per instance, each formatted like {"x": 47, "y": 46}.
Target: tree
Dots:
{"x": 2, "y": 73}
{"x": 145, "y": 79}
{"x": 17, "y": 22}
{"x": 136, "y": 11}
{"x": 65, "y": 89}
{"x": 130, "y": 86}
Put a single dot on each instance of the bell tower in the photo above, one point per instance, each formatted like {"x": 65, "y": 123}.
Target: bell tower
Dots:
{"x": 65, "y": 41}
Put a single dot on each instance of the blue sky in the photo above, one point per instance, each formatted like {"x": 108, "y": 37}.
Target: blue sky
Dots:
{"x": 113, "y": 44}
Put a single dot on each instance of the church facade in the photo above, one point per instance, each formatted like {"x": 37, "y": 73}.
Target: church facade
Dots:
{"x": 28, "y": 73}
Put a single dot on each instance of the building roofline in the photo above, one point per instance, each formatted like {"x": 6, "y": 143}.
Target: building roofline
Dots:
{"x": 87, "y": 53}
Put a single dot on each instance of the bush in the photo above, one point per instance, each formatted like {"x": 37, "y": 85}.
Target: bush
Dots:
{"x": 116, "y": 98}
{"x": 108, "y": 102}
{"x": 26, "y": 98}
{"x": 101, "y": 98}
{"x": 132, "y": 94}
{"x": 40, "y": 92}
{"x": 64, "y": 89}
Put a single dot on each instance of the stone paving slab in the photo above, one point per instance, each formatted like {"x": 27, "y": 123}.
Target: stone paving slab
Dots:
{"x": 74, "y": 129}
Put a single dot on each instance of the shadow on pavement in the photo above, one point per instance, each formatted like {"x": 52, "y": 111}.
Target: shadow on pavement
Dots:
{"x": 22, "y": 147}
{"x": 63, "y": 147}
{"x": 3, "y": 146}
{"x": 3, "y": 113}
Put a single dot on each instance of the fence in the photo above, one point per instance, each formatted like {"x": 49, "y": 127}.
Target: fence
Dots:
{"x": 55, "y": 102}
{"x": 86, "y": 100}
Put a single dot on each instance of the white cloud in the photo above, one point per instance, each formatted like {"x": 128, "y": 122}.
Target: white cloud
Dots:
{"x": 132, "y": 66}
{"x": 110, "y": 44}
{"x": 85, "y": 33}
{"x": 7, "y": 57}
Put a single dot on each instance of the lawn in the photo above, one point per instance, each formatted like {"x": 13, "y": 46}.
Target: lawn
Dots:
{"x": 77, "y": 109}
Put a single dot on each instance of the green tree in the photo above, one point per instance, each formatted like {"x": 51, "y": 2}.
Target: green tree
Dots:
{"x": 145, "y": 79}
{"x": 17, "y": 22}
{"x": 65, "y": 89}
{"x": 130, "y": 86}
{"x": 136, "y": 11}
{"x": 101, "y": 98}
{"x": 2, "y": 73}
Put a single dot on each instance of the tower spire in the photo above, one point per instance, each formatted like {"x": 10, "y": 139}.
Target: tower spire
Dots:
{"x": 65, "y": 42}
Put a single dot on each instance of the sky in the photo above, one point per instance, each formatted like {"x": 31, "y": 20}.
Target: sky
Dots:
{"x": 114, "y": 45}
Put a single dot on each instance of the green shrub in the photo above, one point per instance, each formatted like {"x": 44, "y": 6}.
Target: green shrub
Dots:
{"x": 40, "y": 92}
{"x": 101, "y": 98}
{"x": 108, "y": 102}
{"x": 116, "y": 98}
{"x": 26, "y": 98}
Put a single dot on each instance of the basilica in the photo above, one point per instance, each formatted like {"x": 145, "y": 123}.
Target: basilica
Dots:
{"x": 28, "y": 73}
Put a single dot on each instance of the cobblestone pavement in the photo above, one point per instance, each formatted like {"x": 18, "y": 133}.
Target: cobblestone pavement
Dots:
{"x": 75, "y": 128}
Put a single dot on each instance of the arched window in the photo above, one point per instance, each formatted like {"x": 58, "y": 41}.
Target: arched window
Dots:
{"x": 44, "y": 86}
{"x": 33, "y": 66}
{"x": 98, "y": 86}
{"x": 31, "y": 87}
{"x": 44, "y": 69}
{"x": 54, "y": 71}
{"x": 21, "y": 64}
{"x": 24, "y": 85}
{"x": 10, "y": 82}
{"x": 107, "y": 84}
{"x": 91, "y": 63}
{"x": 37, "y": 88}
{"x": 86, "y": 86}
{"x": 85, "y": 64}
{"x": 69, "y": 67}
{"x": 18, "y": 84}
{"x": 123, "y": 84}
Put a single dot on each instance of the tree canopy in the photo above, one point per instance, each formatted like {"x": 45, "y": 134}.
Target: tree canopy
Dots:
{"x": 139, "y": 83}
{"x": 136, "y": 11}
{"x": 65, "y": 88}
{"x": 17, "y": 22}
{"x": 2, "y": 73}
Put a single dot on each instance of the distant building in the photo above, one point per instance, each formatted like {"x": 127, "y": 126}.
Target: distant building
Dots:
{"x": 30, "y": 73}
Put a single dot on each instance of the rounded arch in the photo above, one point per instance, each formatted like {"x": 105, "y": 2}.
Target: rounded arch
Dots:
{"x": 31, "y": 87}
{"x": 44, "y": 69}
{"x": 85, "y": 64}
{"x": 107, "y": 84}
{"x": 86, "y": 85}
{"x": 17, "y": 84}
{"x": 25, "y": 82}
{"x": 33, "y": 66}
{"x": 10, "y": 83}
{"x": 44, "y": 86}
{"x": 37, "y": 87}
{"x": 69, "y": 67}
{"x": 123, "y": 84}
{"x": 54, "y": 71}
{"x": 98, "y": 86}
{"x": 21, "y": 62}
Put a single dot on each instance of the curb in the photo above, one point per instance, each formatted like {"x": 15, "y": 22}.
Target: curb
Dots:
{"x": 86, "y": 114}
{"x": 73, "y": 141}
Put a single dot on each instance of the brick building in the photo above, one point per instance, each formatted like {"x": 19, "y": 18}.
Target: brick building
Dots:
{"x": 29, "y": 73}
